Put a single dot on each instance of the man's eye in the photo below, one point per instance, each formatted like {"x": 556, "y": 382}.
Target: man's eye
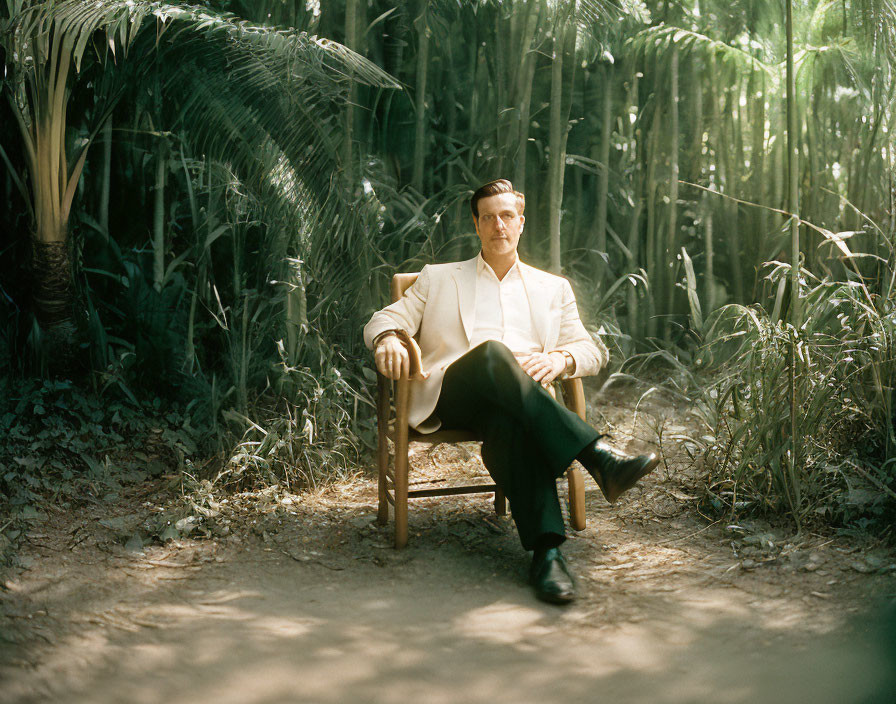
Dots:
{"x": 507, "y": 217}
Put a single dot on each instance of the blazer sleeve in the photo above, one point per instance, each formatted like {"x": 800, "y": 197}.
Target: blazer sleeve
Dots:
{"x": 589, "y": 352}
{"x": 405, "y": 314}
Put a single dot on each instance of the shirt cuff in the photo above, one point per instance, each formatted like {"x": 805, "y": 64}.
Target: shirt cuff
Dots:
{"x": 570, "y": 368}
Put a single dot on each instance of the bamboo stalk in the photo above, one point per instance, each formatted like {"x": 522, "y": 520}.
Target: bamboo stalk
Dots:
{"x": 158, "y": 227}
{"x": 420, "y": 95}
{"x": 106, "y": 176}
{"x": 634, "y": 322}
{"x": 672, "y": 223}
{"x": 709, "y": 277}
{"x": 793, "y": 175}
{"x": 555, "y": 140}
{"x": 603, "y": 182}
{"x": 519, "y": 130}
{"x": 795, "y": 304}
{"x": 351, "y": 41}
{"x": 650, "y": 251}
{"x": 519, "y": 175}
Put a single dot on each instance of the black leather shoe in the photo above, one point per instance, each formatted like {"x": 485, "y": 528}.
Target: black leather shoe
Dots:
{"x": 551, "y": 578}
{"x": 613, "y": 472}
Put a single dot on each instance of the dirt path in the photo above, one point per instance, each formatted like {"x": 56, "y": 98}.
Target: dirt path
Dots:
{"x": 302, "y": 599}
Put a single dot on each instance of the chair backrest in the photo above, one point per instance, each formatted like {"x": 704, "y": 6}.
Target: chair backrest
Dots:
{"x": 401, "y": 283}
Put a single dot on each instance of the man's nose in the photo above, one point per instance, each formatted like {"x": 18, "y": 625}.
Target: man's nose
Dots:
{"x": 500, "y": 225}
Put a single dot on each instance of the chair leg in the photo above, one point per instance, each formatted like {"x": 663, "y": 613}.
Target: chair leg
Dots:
{"x": 500, "y": 503}
{"x": 382, "y": 448}
{"x": 576, "y": 499}
{"x": 401, "y": 463}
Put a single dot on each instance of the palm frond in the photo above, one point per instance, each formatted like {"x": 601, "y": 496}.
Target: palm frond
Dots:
{"x": 653, "y": 42}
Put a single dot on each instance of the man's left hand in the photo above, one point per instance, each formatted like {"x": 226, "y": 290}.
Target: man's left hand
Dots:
{"x": 544, "y": 368}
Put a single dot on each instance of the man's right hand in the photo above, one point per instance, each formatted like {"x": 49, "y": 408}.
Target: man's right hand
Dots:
{"x": 392, "y": 359}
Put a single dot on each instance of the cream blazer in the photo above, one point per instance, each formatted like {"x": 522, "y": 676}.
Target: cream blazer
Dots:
{"x": 440, "y": 310}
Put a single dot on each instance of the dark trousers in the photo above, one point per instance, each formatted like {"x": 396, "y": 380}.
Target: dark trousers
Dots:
{"x": 528, "y": 438}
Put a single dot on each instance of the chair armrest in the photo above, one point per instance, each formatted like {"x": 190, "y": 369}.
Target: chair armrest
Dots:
{"x": 574, "y": 396}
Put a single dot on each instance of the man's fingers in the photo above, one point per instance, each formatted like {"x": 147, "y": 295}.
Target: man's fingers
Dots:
{"x": 527, "y": 361}
{"x": 531, "y": 361}
{"x": 392, "y": 358}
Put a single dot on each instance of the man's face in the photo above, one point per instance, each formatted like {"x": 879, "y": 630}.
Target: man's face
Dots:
{"x": 499, "y": 225}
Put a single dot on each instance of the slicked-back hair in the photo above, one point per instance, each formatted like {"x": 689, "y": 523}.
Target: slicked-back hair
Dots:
{"x": 494, "y": 188}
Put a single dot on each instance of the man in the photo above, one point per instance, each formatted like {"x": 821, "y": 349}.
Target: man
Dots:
{"x": 493, "y": 334}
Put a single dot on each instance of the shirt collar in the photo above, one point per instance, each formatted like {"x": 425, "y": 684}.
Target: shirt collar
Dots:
{"x": 482, "y": 265}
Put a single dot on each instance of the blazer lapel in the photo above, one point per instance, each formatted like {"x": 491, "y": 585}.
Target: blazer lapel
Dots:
{"x": 465, "y": 279}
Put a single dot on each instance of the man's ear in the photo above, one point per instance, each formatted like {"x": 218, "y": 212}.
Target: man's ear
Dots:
{"x": 522, "y": 222}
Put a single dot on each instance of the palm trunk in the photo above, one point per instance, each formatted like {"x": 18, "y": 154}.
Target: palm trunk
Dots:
{"x": 52, "y": 296}
{"x": 42, "y": 127}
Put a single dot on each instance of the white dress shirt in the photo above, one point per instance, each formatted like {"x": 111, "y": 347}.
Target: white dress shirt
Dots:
{"x": 503, "y": 311}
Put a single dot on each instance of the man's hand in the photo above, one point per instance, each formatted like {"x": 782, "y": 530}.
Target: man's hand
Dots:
{"x": 392, "y": 359}
{"x": 544, "y": 368}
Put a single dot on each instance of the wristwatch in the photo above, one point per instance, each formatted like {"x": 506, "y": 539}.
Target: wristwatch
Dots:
{"x": 570, "y": 362}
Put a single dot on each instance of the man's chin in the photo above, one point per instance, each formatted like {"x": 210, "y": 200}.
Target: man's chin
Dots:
{"x": 501, "y": 246}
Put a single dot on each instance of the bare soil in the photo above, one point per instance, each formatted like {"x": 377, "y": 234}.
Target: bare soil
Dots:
{"x": 301, "y": 598}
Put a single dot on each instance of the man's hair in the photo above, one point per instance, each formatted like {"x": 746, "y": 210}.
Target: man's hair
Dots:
{"x": 494, "y": 188}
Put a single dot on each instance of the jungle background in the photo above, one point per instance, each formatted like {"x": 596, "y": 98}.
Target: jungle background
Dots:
{"x": 203, "y": 204}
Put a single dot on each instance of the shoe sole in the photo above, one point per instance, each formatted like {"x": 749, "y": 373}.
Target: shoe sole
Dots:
{"x": 556, "y": 599}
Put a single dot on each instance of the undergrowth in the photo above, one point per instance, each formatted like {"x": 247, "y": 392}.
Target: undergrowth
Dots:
{"x": 840, "y": 368}
{"x": 66, "y": 445}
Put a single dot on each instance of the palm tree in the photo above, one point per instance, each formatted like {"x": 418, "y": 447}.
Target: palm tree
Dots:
{"x": 258, "y": 94}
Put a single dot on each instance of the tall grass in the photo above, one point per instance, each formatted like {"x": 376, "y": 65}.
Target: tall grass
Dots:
{"x": 841, "y": 364}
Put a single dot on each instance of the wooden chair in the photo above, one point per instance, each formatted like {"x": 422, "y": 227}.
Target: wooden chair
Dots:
{"x": 393, "y": 485}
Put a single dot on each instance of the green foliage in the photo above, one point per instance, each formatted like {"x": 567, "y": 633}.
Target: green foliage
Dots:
{"x": 251, "y": 232}
{"x": 301, "y": 436}
{"x": 69, "y": 445}
{"x": 841, "y": 369}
